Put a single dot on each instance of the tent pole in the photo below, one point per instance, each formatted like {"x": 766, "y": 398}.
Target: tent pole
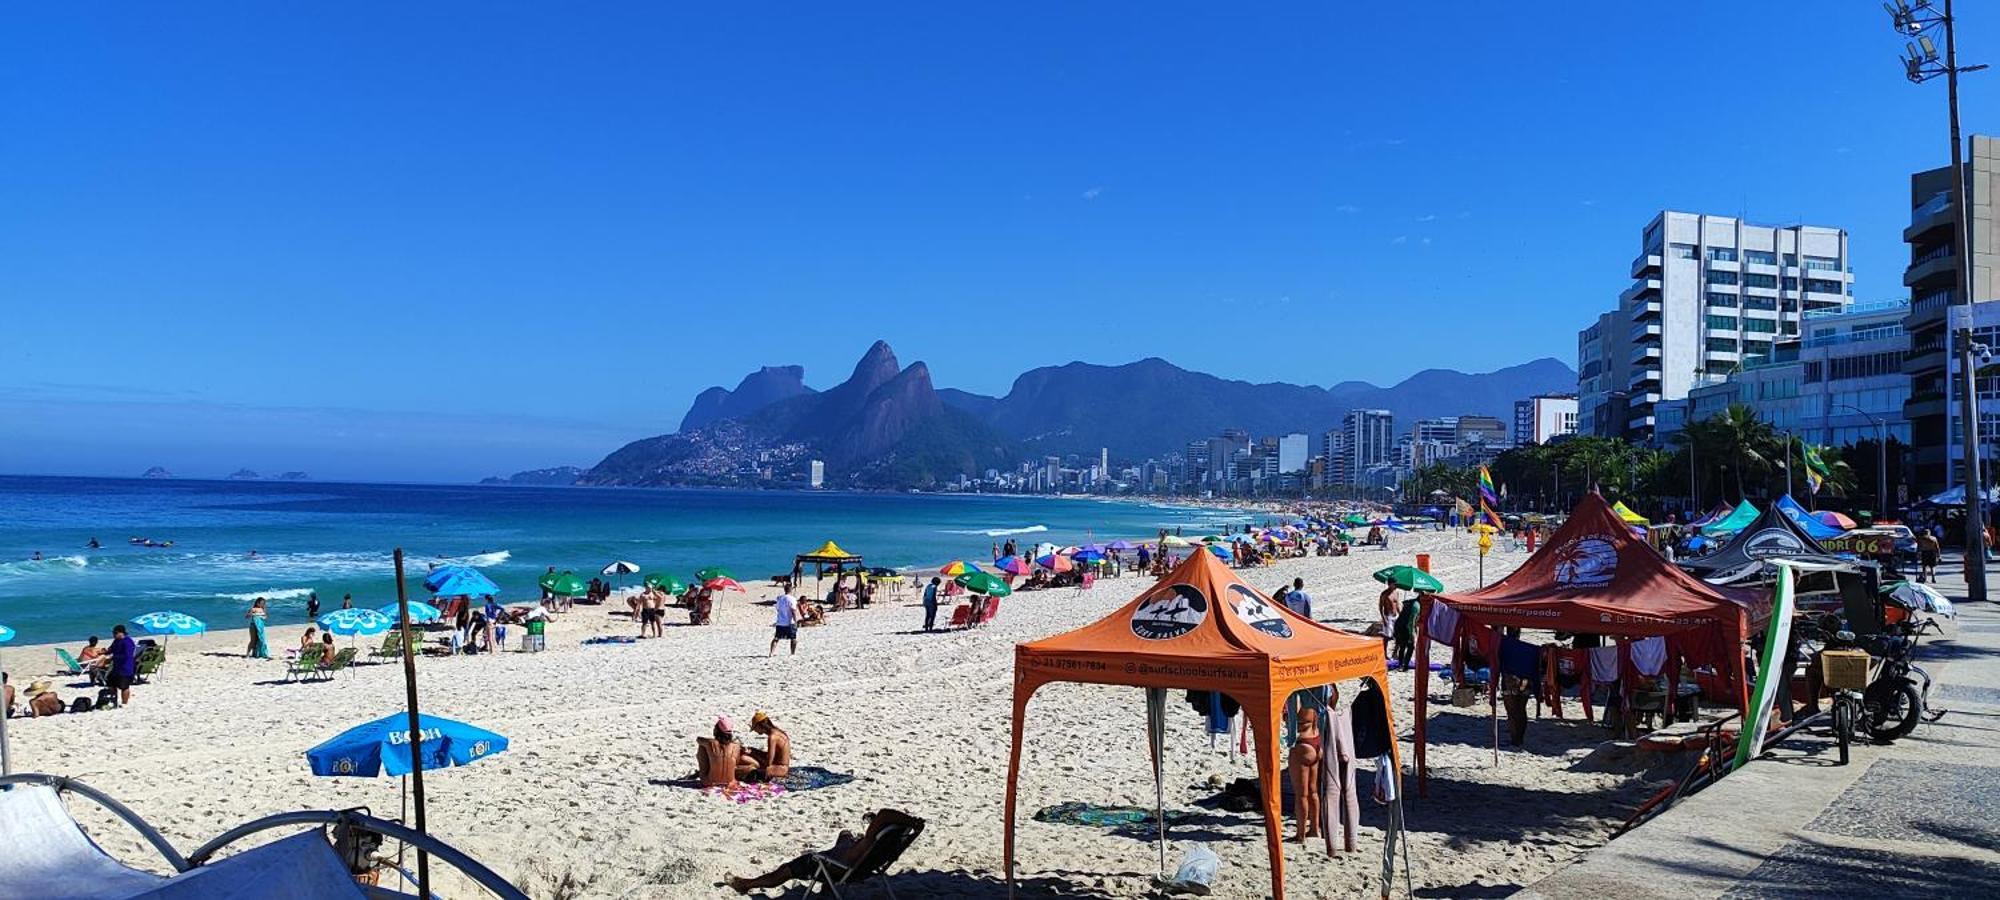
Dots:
{"x": 1270, "y": 779}
{"x": 1156, "y": 737}
{"x": 416, "y": 728}
{"x": 1022, "y": 692}
{"x": 1423, "y": 690}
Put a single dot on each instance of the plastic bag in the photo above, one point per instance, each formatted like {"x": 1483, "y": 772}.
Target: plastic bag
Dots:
{"x": 1197, "y": 871}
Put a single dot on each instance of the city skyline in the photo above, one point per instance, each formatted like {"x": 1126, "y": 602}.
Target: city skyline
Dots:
{"x": 680, "y": 180}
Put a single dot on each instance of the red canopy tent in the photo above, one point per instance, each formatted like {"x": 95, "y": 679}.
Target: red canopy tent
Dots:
{"x": 1200, "y": 628}
{"x": 1594, "y": 577}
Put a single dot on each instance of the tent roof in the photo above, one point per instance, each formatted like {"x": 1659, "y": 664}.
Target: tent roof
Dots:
{"x": 1715, "y": 515}
{"x": 1819, "y": 530}
{"x": 1593, "y": 576}
{"x": 1772, "y": 536}
{"x": 1202, "y": 628}
{"x": 1737, "y": 520}
{"x": 829, "y": 552}
{"x": 1625, "y": 512}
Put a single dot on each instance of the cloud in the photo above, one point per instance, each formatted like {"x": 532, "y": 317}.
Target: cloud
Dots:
{"x": 1092, "y": 193}
{"x": 1429, "y": 217}
{"x": 1588, "y": 202}
{"x": 1347, "y": 208}
{"x": 1427, "y": 242}
{"x": 1401, "y": 239}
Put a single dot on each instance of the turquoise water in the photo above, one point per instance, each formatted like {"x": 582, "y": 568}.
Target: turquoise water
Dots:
{"x": 337, "y": 538}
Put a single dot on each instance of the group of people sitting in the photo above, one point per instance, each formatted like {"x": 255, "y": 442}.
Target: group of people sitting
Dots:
{"x": 723, "y": 760}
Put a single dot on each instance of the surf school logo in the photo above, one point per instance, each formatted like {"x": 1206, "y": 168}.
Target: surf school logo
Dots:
{"x": 1773, "y": 542}
{"x": 1257, "y": 613}
{"x": 1171, "y": 614}
{"x": 343, "y": 766}
{"x": 1587, "y": 562}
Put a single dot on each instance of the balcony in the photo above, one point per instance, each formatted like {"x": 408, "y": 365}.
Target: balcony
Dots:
{"x": 1638, "y": 288}
{"x": 1924, "y": 404}
{"x": 1643, "y": 332}
{"x": 1646, "y": 262}
{"x": 1644, "y": 352}
{"x": 1646, "y": 378}
{"x": 1937, "y": 212}
{"x": 1938, "y": 264}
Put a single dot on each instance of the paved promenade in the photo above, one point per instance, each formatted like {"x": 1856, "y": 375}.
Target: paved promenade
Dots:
{"x": 1915, "y": 819}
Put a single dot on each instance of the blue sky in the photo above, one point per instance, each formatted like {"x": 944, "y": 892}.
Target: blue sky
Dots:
{"x": 231, "y": 236}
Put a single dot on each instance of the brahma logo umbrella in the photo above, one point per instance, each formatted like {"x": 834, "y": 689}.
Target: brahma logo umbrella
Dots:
{"x": 1171, "y": 614}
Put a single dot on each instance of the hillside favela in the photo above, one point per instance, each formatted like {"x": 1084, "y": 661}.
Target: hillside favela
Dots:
{"x": 1087, "y": 451}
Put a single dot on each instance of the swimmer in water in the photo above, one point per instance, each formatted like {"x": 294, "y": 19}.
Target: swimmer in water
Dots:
{"x": 93, "y": 545}
{"x": 37, "y": 557}
{"x": 253, "y": 554}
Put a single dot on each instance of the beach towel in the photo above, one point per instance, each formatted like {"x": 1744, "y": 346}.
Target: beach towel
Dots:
{"x": 798, "y": 780}
{"x": 1604, "y": 664}
{"x": 1443, "y": 623}
{"x": 1649, "y": 655}
{"x": 611, "y": 639}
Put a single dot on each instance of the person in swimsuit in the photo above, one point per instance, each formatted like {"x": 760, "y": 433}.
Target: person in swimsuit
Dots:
{"x": 1385, "y": 609}
{"x": 1304, "y": 767}
{"x": 720, "y": 760}
{"x": 848, "y": 849}
{"x": 775, "y": 760}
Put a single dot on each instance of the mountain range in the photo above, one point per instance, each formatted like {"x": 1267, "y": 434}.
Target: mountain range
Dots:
{"x": 889, "y": 426}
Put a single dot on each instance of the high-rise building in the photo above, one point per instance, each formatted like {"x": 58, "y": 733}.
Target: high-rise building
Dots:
{"x": 1194, "y": 466}
{"x": 1937, "y": 310}
{"x": 1370, "y": 439}
{"x": 1333, "y": 449}
{"x": 1603, "y": 368}
{"x": 817, "y": 473}
{"x": 1104, "y": 460}
{"x": 1709, "y": 294}
{"x": 1292, "y": 453}
{"x": 1543, "y": 416}
{"x": 1483, "y": 430}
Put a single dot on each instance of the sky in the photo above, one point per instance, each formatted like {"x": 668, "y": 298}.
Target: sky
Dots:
{"x": 441, "y": 240}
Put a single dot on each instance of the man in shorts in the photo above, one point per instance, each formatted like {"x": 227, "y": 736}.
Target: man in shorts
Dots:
{"x": 785, "y": 624}
{"x": 847, "y": 850}
{"x": 124, "y": 664}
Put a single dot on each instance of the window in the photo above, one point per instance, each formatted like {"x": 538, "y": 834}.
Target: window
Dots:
{"x": 1791, "y": 259}
{"x": 1752, "y": 279}
{"x": 1789, "y": 282}
{"x": 1867, "y": 365}
{"x": 1814, "y": 371}
{"x": 1789, "y": 327}
{"x": 1759, "y": 303}
{"x": 1722, "y": 254}
{"x": 1761, "y": 326}
{"x": 1720, "y": 299}
{"x": 1722, "y": 345}
{"x": 1757, "y": 348}
{"x": 1760, "y": 257}
{"x": 1823, "y": 286}
{"x": 1680, "y": 251}
{"x": 1822, "y": 263}
{"x": 1721, "y": 323}
{"x": 1719, "y": 277}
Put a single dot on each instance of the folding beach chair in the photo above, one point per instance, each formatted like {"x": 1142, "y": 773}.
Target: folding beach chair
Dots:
{"x": 890, "y": 842}
{"x": 961, "y": 616}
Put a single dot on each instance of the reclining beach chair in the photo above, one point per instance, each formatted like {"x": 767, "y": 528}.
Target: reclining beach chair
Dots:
{"x": 303, "y": 666}
{"x": 342, "y": 660}
{"x": 72, "y": 667}
{"x": 149, "y": 662}
{"x": 891, "y": 840}
{"x": 961, "y": 616}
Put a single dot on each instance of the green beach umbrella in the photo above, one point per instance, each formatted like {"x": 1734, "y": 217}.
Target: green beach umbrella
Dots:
{"x": 665, "y": 582}
{"x": 984, "y": 583}
{"x": 1409, "y": 578}
{"x": 713, "y": 572}
{"x": 1356, "y": 519}
{"x": 547, "y": 581}
{"x": 566, "y": 585}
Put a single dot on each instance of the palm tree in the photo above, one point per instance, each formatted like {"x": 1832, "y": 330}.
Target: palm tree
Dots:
{"x": 1744, "y": 441}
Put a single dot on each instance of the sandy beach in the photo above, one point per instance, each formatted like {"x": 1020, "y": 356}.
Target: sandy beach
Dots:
{"x": 580, "y": 806}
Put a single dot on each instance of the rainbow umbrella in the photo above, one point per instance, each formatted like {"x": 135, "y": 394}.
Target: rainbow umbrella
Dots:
{"x": 1055, "y": 562}
{"x": 958, "y": 567}
{"x": 1012, "y": 565}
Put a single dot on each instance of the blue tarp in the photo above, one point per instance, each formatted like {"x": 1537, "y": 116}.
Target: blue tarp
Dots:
{"x": 1813, "y": 527}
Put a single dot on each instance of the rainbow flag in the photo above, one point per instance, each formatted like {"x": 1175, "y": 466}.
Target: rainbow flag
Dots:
{"x": 1488, "y": 498}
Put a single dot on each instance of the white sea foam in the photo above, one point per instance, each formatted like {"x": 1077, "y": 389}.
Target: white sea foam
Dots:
{"x": 477, "y": 560}
{"x": 295, "y": 593}
{"x": 43, "y": 566}
{"x": 1002, "y": 532}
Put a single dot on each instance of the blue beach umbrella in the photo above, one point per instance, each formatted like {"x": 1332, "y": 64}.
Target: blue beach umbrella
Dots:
{"x": 1221, "y": 550}
{"x": 419, "y": 612}
{"x": 170, "y": 622}
{"x": 351, "y": 622}
{"x": 459, "y": 581}
{"x": 6, "y": 634}
{"x": 382, "y": 747}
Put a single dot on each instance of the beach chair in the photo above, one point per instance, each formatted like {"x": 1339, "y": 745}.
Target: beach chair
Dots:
{"x": 149, "y": 662}
{"x": 890, "y": 842}
{"x": 961, "y": 616}
{"x": 342, "y": 660}
{"x": 393, "y": 645}
{"x": 305, "y": 666}
{"x": 992, "y": 609}
{"x": 72, "y": 667}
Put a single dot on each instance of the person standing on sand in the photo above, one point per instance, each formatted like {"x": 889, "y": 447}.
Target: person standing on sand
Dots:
{"x": 124, "y": 664}
{"x": 1297, "y": 600}
{"x": 930, "y": 604}
{"x": 258, "y": 648}
{"x": 785, "y": 624}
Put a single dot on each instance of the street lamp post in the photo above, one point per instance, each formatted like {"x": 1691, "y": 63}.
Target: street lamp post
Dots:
{"x": 1918, "y": 19}
{"x": 1881, "y": 458}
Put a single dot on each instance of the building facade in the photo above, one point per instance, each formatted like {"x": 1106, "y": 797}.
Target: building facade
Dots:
{"x": 1709, "y": 294}
{"x": 1543, "y": 417}
{"x": 1936, "y": 309}
{"x": 1370, "y": 440}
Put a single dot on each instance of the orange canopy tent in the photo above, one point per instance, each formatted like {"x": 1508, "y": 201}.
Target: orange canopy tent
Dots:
{"x": 1200, "y": 628}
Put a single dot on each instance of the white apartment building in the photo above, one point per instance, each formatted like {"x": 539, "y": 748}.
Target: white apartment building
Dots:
{"x": 1369, "y": 439}
{"x": 1709, "y": 293}
{"x": 1544, "y": 416}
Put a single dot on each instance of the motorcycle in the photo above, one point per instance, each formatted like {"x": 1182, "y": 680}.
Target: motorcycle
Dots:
{"x": 1897, "y": 696}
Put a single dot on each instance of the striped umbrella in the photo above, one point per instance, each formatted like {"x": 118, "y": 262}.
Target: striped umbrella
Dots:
{"x": 1055, "y": 562}
{"x": 351, "y": 622}
{"x": 958, "y": 567}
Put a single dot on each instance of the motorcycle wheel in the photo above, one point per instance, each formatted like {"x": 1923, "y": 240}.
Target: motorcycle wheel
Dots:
{"x": 1893, "y": 708}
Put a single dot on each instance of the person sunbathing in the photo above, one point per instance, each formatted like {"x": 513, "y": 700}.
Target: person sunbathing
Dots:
{"x": 42, "y": 700}
{"x": 775, "y": 760}
{"x": 847, "y": 851}
{"x": 720, "y": 761}
{"x": 811, "y": 613}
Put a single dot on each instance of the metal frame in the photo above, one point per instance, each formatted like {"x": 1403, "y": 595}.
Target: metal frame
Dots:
{"x": 353, "y": 818}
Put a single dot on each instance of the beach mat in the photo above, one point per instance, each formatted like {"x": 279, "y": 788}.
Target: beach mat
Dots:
{"x": 1116, "y": 818}
{"x": 800, "y": 779}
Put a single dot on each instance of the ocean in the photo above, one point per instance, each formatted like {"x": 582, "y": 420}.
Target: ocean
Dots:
{"x": 337, "y": 538}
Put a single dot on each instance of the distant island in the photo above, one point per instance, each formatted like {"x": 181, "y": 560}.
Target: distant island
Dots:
{"x": 156, "y": 472}
{"x": 557, "y": 476}
{"x": 294, "y": 476}
{"x": 244, "y": 475}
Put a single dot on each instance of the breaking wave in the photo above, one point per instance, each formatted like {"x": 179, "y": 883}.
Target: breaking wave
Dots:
{"x": 44, "y": 565}
{"x": 297, "y": 593}
{"x": 1002, "y": 532}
